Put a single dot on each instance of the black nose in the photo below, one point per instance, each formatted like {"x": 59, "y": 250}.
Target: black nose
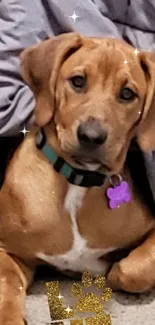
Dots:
{"x": 91, "y": 133}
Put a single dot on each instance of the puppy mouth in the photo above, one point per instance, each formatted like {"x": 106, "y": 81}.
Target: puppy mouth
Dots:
{"x": 91, "y": 164}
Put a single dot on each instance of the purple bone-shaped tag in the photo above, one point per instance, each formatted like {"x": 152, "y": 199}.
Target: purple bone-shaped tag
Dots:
{"x": 119, "y": 194}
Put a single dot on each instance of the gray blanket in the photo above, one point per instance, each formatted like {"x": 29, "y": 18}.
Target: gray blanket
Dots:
{"x": 26, "y": 22}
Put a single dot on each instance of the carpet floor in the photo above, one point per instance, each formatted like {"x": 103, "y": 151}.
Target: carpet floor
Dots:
{"x": 124, "y": 309}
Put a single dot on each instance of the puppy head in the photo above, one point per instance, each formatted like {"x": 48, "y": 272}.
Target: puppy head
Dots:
{"x": 96, "y": 92}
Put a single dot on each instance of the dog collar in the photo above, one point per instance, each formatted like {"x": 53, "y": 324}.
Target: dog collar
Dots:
{"x": 74, "y": 176}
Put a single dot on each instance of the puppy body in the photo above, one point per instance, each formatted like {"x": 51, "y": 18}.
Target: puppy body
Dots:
{"x": 45, "y": 219}
{"x": 63, "y": 223}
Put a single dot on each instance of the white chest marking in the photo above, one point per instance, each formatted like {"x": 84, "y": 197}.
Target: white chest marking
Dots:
{"x": 80, "y": 258}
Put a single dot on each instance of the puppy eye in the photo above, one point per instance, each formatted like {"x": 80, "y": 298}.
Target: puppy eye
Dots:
{"x": 78, "y": 82}
{"x": 127, "y": 94}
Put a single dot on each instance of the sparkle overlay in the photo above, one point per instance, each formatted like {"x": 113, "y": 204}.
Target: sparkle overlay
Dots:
{"x": 136, "y": 52}
{"x": 74, "y": 16}
{"x": 86, "y": 303}
{"x": 24, "y": 131}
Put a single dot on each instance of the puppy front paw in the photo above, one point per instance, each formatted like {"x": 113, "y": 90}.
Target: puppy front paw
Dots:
{"x": 128, "y": 277}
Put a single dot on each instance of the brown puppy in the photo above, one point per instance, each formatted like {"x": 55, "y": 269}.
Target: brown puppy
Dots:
{"x": 92, "y": 97}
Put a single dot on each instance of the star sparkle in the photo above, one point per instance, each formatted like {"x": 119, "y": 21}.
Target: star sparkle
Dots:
{"x": 136, "y": 52}
{"x": 24, "y": 131}
{"x": 68, "y": 309}
{"x": 74, "y": 16}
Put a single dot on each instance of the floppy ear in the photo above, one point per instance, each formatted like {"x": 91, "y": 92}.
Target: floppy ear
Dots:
{"x": 40, "y": 66}
{"x": 146, "y": 128}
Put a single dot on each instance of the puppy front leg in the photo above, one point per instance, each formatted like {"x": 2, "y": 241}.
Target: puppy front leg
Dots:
{"x": 14, "y": 280}
{"x": 136, "y": 272}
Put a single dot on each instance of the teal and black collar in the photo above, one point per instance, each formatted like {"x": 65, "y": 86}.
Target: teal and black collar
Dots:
{"x": 74, "y": 176}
